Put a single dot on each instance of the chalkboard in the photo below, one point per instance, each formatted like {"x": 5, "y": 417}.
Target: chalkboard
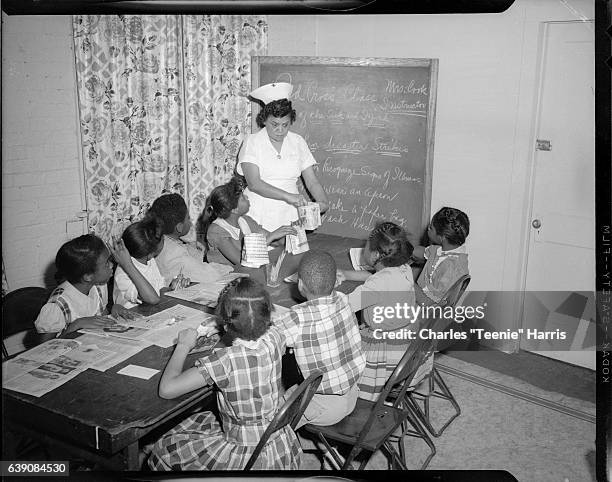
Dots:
{"x": 369, "y": 123}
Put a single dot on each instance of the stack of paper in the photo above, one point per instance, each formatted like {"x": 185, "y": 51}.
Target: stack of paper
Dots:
{"x": 205, "y": 294}
{"x": 160, "y": 329}
{"x": 254, "y": 250}
{"x": 297, "y": 243}
{"x": 359, "y": 264}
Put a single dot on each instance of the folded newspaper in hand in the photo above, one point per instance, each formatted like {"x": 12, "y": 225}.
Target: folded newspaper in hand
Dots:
{"x": 297, "y": 243}
{"x": 310, "y": 216}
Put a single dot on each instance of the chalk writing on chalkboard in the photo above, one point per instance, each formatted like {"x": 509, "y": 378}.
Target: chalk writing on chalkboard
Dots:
{"x": 369, "y": 124}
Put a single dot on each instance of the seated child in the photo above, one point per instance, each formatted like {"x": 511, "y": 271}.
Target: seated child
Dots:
{"x": 177, "y": 256}
{"x": 388, "y": 251}
{"x": 223, "y": 224}
{"x": 79, "y": 301}
{"x": 446, "y": 258}
{"x": 248, "y": 376}
{"x": 324, "y": 335}
{"x": 137, "y": 277}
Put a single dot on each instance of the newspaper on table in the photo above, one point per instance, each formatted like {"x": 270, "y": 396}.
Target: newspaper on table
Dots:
{"x": 160, "y": 329}
{"x": 50, "y": 365}
{"x": 205, "y": 294}
{"x": 122, "y": 348}
{"x": 359, "y": 264}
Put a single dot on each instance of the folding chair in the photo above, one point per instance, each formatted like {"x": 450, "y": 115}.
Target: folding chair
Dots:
{"x": 418, "y": 401}
{"x": 289, "y": 414}
{"x": 372, "y": 425}
{"x": 20, "y": 308}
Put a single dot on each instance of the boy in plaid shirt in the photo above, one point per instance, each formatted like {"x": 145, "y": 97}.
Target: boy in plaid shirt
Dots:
{"x": 325, "y": 337}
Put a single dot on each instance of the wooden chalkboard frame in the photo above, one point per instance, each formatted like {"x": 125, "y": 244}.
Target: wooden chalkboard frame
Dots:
{"x": 432, "y": 64}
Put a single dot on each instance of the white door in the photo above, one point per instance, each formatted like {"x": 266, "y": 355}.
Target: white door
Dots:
{"x": 562, "y": 224}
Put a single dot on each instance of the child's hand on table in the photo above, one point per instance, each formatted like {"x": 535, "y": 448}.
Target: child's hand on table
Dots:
{"x": 179, "y": 282}
{"x": 120, "y": 311}
{"x": 187, "y": 338}
{"x": 92, "y": 322}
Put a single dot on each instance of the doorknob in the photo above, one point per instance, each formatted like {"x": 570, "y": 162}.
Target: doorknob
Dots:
{"x": 536, "y": 223}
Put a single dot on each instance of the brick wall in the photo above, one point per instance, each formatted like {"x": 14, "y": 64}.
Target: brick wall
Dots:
{"x": 41, "y": 190}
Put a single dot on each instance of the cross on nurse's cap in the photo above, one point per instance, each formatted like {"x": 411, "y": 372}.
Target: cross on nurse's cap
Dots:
{"x": 271, "y": 92}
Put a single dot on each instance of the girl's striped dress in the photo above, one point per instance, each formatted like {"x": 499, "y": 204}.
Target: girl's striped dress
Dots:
{"x": 248, "y": 376}
{"x": 385, "y": 288}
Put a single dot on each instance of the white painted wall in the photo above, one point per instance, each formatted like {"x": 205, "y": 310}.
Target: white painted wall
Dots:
{"x": 40, "y": 167}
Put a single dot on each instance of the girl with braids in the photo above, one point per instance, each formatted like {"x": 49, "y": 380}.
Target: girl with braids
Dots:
{"x": 223, "y": 224}
{"x": 137, "y": 277}
{"x": 388, "y": 251}
{"x": 247, "y": 374}
{"x": 446, "y": 258}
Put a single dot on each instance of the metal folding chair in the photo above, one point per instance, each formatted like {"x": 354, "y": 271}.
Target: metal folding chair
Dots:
{"x": 289, "y": 414}
{"x": 418, "y": 400}
{"x": 373, "y": 425}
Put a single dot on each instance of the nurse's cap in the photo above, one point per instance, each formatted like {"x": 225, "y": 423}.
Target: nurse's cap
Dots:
{"x": 271, "y": 92}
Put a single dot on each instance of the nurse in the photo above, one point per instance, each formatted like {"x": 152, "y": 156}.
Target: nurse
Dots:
{"x": 274, "y": 158}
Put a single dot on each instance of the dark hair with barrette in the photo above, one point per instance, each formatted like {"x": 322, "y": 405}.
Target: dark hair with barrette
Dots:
{"x": 391, "y": 243}
{"x": 452, "y": 224}
{"x": 245, "y": 309}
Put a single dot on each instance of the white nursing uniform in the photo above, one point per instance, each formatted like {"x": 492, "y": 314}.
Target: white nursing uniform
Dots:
{"x": 283, "y": 173}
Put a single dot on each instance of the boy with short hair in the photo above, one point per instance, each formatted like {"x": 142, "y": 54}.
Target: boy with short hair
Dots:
{"x": 325, "y": 337}
{"x": 178, "y": 257}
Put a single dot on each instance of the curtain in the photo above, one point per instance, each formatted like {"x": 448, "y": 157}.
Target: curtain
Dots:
{"x": 217, "y": 71}
{"x": 129, "y": 86}
{"x": 5, "y": 286}
{"x": 163, "y": 107}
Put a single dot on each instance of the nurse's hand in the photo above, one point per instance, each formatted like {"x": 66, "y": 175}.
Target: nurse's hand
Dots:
{"x": 296, "y": 200}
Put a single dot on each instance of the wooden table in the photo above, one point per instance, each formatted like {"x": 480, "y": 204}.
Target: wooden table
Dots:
{"x": 287, "y": 294}
{"x": 102, "y": 416}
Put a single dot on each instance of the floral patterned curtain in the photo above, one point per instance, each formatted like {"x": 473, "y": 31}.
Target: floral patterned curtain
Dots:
{"x": 5, "y": 286}
{"x": 163, "y": 107}
{"x": 217, "y": 70}
{"x": 129, "y": 85}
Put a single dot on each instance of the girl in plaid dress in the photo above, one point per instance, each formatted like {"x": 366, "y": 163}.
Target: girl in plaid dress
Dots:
{"x": 248, "y": 376}
{"x": 388, "y": 251}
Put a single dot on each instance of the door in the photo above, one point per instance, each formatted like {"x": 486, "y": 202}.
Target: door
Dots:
{"x": 560, "y": 279}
